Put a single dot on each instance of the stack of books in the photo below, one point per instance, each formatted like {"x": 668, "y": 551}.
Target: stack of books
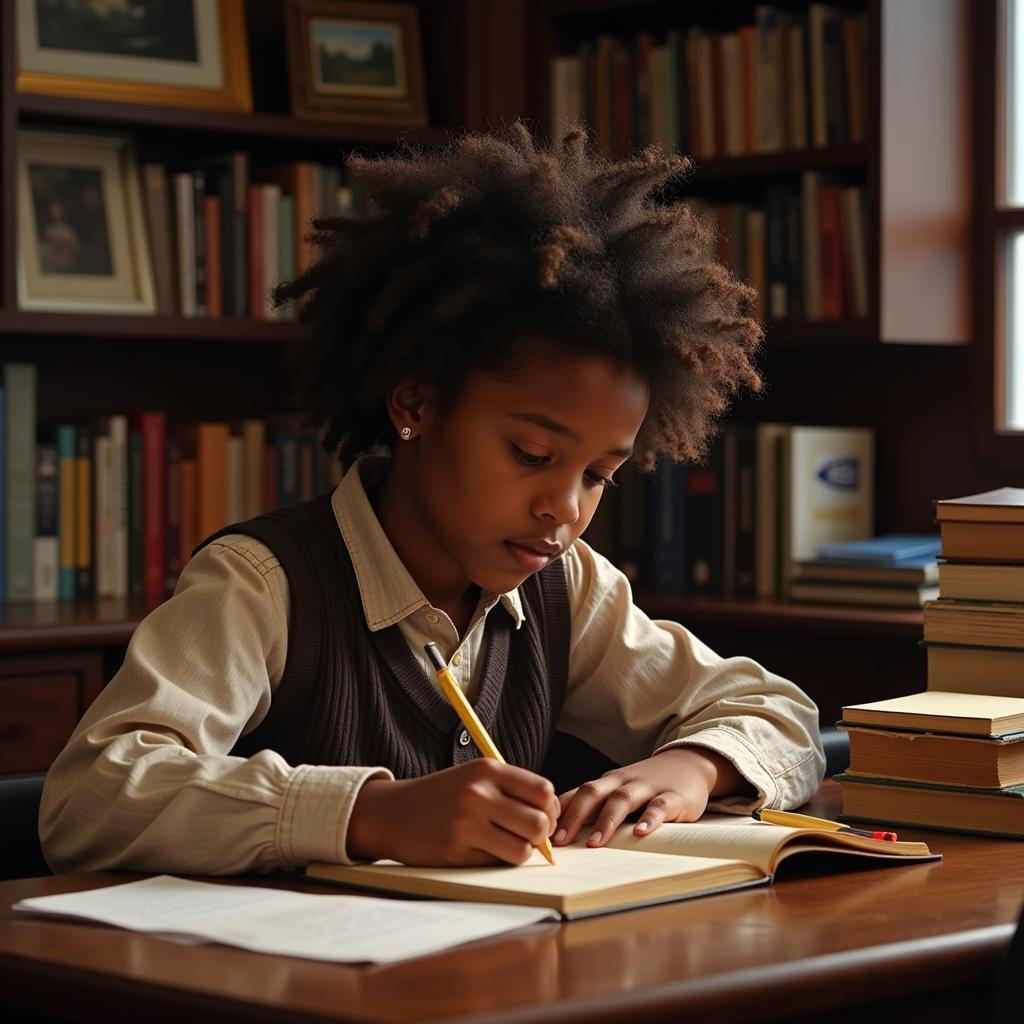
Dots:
{"x": 899, "y": 570}
{"x": 950, "y": 761}
{"x": 953, "y": 756}
{"x": 974, "y": 632}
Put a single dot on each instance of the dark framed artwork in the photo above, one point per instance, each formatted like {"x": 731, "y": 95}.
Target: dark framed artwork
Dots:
{"x": 356, "y": 62}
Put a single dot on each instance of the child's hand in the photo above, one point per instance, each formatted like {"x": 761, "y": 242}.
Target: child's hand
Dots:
{"x": 481, "y": 812}
{"x": 674, "y": 785}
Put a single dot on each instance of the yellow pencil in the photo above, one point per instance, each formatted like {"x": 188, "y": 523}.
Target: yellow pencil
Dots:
{"x": 453, "y": 692}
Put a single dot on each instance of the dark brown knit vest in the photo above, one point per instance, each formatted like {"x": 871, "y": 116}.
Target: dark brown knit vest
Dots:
{"x": 349, "y": 696}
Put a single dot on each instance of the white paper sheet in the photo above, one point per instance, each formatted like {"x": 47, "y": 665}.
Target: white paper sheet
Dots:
{"x": 347, "y": 929}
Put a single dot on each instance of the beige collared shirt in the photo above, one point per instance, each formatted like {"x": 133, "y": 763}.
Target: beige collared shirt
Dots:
{"x": 146, "y": 781}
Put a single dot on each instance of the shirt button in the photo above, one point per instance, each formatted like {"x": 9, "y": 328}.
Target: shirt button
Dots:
{"x": 432, "y": 618}
{"x": 463, "y": 738}
{"x": 457, "y": 660}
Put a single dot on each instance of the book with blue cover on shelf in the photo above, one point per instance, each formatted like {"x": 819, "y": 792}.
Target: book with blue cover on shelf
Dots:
{"x": 887, "y": 549}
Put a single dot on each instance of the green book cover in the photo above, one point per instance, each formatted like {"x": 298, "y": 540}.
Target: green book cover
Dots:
{"x": 20, "y": 453}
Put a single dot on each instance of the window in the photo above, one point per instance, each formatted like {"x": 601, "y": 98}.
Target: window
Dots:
{"x": 1001, "y": 192}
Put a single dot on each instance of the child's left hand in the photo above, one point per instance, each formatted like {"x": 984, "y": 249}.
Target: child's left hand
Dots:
{"x": 675, "y": 786}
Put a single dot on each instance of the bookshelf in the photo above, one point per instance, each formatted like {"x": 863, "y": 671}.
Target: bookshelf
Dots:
{"x": 486, "y": 62}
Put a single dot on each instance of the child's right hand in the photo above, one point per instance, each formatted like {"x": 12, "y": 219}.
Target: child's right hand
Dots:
{"x": 480, "y": 812}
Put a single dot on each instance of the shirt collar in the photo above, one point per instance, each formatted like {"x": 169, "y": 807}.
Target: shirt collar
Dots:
{"x": 388, "y": 592}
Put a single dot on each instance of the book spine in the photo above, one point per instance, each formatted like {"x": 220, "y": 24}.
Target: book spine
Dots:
{"x": 159, "y": 223}
{"x": 189, "y": 509}
{"x": 286, "y": 250}
{"x": 794, "y": 257}
{"x": 270, "y": 248}
{"x": 732, "y": 81}
{"x": 745, "y": 517}
{"x": 240, "y": 266}
{"x": 748, "y": 86}
{"x": 254, "y": 441}
{"x": 836, "y": 129}
{"x": 199, "y": 237}
{"x": 85, "y": 579}
{"x": 119, "y": 501}
{"x": 211, "y": 478}
{"x": 173, "y": 514}
{"x": 46, "y": 566}
{"x": 20, "y": 459}
{"x": 214, "y": 261}
{"x": 756, "y": 259}
{"x": 66, "y": 454}
{"x": 236, "y": 479}
{"x": 816, "y": 17}
{"x": 103, "y": 514}
{"x": 256, "y": 305}
{"x": 288, "y": 469}
{"x": 810, "y": 183}
{"x": 668, "y": 527}
{"x": 775, "y": 268}
{"x": 705, "y": 521}
{"x": 855, "y": 60}
{"x": 797, "y": 76}
{"x": 153, "y": 430}
{"x": 185, "y": 224}
{"x": 831, "y": 254}
{"x": 136, "y": 537}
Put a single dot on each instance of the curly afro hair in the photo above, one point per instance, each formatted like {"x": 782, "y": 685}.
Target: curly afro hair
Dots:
{"x": 473, "y": 249}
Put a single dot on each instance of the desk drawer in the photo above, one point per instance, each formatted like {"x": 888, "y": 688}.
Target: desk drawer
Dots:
{"x": 37, "y": 715}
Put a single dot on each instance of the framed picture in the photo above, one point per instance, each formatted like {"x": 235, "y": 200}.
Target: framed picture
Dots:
{"x": 356, "y": 62}
{"x": 179, "y": 53}
{"x": 82, "y": 240}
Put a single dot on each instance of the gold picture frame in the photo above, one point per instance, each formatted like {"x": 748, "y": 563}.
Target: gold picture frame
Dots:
{"x": 82, "y": 239}
{"x": 358, "y": 62}
{"x": 80, "y": 58}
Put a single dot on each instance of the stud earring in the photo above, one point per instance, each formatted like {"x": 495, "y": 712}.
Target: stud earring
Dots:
{"x": 406, "y": 433}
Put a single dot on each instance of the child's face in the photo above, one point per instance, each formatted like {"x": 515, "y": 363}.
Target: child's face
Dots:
{"x": 511, "y": 476}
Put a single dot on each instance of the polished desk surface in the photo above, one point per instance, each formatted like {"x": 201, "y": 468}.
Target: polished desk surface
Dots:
{"x": 905, "y": 938}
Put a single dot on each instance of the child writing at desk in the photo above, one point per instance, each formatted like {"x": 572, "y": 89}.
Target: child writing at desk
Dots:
{"x": 513, "y": 323}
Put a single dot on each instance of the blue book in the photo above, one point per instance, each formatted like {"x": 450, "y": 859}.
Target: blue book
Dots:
{"x": 886, "y": 550}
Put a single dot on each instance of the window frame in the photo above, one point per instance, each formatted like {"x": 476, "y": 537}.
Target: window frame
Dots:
{"x": 999, "y": 448}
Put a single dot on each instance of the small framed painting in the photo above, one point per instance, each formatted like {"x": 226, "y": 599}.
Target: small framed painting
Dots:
{"x": 356, "y": 62}
{"x": 179, "y": 53}
{"x": 82, "y": 240}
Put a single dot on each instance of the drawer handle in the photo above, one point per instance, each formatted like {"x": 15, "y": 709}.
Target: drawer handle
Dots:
{"x": 10, "y": 731}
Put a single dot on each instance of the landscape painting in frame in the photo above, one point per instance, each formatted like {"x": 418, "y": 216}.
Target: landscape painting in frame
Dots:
{"x": 352, "y": 61}
{"x": 169, "y": 52}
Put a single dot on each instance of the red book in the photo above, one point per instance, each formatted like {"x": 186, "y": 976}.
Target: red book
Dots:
{"x": 214, "y": 276}
{"x": 831, "y": 256}
{"x": 152, "y": 427}
{"x": 256, "y": 301}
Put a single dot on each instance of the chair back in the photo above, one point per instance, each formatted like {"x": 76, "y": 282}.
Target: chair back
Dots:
{"x": 21, "y": 856}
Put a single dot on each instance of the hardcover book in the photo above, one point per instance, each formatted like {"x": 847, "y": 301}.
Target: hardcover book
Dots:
{"x": 966, "y": 714}
{"x": 678, "y": 861}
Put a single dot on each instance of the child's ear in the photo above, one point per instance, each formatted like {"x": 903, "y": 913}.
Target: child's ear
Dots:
{"x": 409, "y": 404}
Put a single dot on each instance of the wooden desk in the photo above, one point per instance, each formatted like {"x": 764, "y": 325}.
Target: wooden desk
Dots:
{"x": 900, "y": 941}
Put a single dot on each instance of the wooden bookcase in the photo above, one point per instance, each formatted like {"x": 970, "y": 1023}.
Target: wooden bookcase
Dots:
{"x": 487, "y": 61}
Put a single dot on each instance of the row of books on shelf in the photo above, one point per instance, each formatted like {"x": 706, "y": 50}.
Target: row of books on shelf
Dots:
{"x": 114, "y": 506}
{"x": 803, "y": 251}
{"x": 767, "y": 496}
{"x": 788, "y": 81}
{"x": 224, "y": 234}
{"x": 952, "y": 757}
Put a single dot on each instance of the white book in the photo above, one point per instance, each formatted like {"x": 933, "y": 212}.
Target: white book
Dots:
{"x": 271, "y": 246}
{"x": 828, "y": 490}
{"x": 45, "y": 563}
{"x": 732, "y": 101}
{"x": 116, "y": 428}
{"x": 185, "y": 233}
{"x": 236, "y": 479}
{"x": 566, "y": 92}
{"x": 851, "y": 219}
{"x": 103, "y": 515}
{"x": 810, "y": 182}
{"x": 796, "y": 92}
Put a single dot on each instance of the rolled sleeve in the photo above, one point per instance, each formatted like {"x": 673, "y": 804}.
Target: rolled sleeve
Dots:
{"x": 639, "y": 685}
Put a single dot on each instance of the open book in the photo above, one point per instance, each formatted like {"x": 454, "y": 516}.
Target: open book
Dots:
{"x": 677, "y": 861}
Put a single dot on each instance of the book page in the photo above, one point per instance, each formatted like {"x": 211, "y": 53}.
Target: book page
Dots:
{"x": 577, "y": 870}
{"x": 345, "y": 929}
{"x": 714, "y": 835}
